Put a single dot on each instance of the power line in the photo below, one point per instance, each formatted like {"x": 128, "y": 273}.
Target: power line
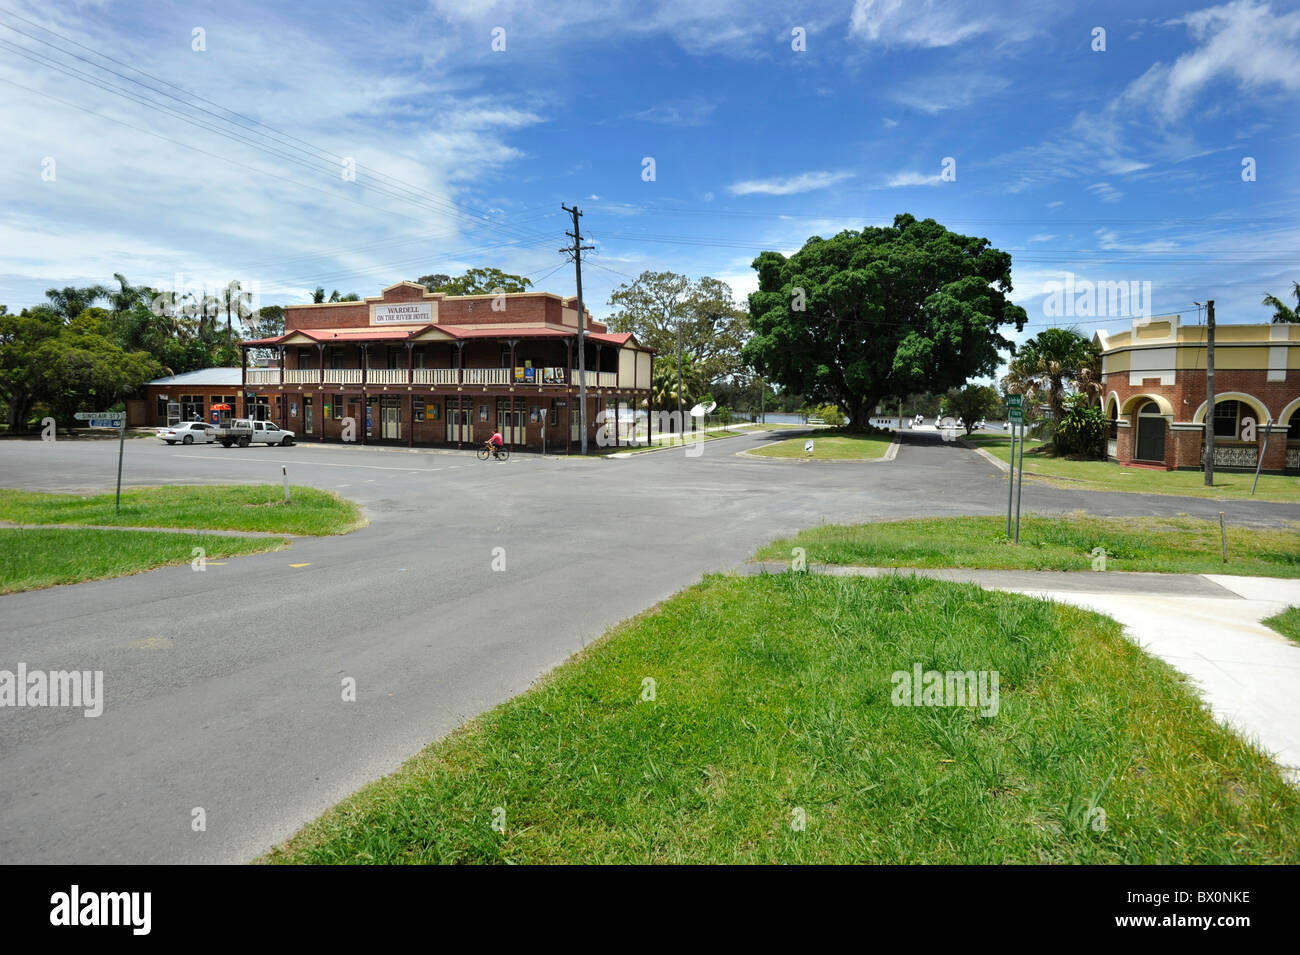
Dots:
{"x": 444, "y": 202}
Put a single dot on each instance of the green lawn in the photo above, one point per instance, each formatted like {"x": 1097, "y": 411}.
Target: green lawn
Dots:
{"x": 772, "y": 706}
{"x": 30, "y": 559}
{"x": 830, "y": 446}
{"x": 252, "y": 507}
{"x": 1168, "y": 545}
{"x": 1286, "y": 623}
{"x": 1108, "y": 476}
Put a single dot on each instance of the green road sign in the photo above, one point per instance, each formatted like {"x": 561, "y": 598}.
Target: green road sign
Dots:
{"x": 1015, "y": 409}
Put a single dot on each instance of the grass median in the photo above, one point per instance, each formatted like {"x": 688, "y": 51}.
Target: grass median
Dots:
{"x": 226, "y": 507}
{"x": 1109, "y": 476}
{"x": 830, "y": 446}
{"x": 755, "y": 720}
{"x": 35, "y": 558}
{"x": 1176, "y": 545}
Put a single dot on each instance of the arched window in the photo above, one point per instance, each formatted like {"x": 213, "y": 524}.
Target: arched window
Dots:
{"x": 1226, "y": 416}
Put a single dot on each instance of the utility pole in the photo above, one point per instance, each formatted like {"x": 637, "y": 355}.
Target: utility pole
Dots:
{"x": 576, "y": 251}
{"x": 681, "y": 421}
{"x": 1209, "y": 393}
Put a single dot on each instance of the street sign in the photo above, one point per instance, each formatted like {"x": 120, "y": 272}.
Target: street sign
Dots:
{"x": 1015, "y": 409}
{"x": 115, "y": 420}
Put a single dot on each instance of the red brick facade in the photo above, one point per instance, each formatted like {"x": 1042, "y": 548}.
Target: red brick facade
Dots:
{"x": 1159, "y": 415}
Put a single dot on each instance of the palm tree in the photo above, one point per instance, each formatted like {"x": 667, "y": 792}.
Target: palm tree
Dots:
{"x": 1052, "y": 362}
{"x": 1283, "y": 313}
{"x": 71, "y": 301}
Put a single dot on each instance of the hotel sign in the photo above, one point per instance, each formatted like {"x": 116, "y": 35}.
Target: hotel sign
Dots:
{"x": 402, "y": 313}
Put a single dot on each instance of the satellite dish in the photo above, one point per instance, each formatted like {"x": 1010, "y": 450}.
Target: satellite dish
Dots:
{"x": 700, "y": 410}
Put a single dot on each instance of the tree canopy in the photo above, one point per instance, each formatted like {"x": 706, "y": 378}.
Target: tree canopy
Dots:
{"x": 655, "y": 304}
{"x": 476, "y": 282}
{"x": 868, "y": 314}
{"x": 1282, "y": 312}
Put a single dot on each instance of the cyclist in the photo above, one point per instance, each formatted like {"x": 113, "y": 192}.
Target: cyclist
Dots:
{"x": 496, "y": 442}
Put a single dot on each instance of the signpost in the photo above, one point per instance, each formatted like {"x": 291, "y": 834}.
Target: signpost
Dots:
{"x": 1016, "y": 416}
{"x": 110, "y": 420}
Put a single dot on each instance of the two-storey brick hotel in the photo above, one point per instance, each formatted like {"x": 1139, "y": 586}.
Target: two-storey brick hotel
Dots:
{"x": 415, "y": 367}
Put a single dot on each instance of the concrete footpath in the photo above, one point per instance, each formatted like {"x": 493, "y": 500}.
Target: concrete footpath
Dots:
{"x": 1206, "y": 626}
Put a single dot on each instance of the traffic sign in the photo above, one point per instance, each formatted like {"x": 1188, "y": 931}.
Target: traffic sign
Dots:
{"x": 113, "y": 423}
{"x": 1015, "y": 409}
{"x": 100, "y": 416}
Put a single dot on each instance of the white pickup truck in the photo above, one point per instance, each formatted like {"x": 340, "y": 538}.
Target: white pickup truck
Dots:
{"x": 243, "y": 432}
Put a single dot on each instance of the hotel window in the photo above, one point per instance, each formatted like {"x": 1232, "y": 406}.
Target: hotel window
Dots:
{"x": 418, "y": 356}
{"x": 337, "y": 411}
{"x": 1226, "y": 414}
{"x": 394, "y": 359}
{"x": 336, "y": 359}
{"x": 306, "y": 358}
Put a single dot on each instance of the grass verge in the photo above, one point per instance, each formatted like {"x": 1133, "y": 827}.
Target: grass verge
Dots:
{"x": 234, "y": 507}
{"x": 1286, "y": 623}
{"x": 772, "y": 704}
{"x": 30, "y": 559}
{"x": 1108, "y": 476}
{"x": 1180, "y": 545}
{"x": 830, "y": 446}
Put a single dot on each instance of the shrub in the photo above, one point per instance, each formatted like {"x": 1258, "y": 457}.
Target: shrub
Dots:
{"x": 831, "y": 414}
{"x": 1082, "y": 429}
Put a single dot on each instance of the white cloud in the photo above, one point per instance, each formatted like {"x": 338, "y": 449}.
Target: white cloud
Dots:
{"x": 791, "y": 185}
{"x": 1105, "y": 192}
{"x": 943, "y": 23}
{"x": 905, "y": 179}
{"x": 1242, "y": 42}
{"x": 1041, "y": 237}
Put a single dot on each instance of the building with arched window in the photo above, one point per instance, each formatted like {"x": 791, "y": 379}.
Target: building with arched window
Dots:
{"x": 1155, "y": 395}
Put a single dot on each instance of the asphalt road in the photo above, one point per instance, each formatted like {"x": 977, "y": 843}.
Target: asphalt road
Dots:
{"x": 224, "y": 688}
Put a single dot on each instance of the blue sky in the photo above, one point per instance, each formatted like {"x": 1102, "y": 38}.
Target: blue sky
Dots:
{"x": 1115, "y": 165}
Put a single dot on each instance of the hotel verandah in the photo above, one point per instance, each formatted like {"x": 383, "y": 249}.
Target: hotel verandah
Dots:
{"x": 413, "y": 367}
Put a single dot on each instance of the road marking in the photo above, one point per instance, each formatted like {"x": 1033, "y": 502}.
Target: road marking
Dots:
{"x": 216, "y": 563}
{"x": 308, "y": 564}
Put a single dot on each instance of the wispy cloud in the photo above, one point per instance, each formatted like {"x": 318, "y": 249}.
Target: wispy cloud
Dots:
{"x": 904, "y": 179}
{"x": 1105, "y": 192}
{"x": 694, "y": 112}
{"x": 789, "y": 186}
{"x": 943, "y": 23}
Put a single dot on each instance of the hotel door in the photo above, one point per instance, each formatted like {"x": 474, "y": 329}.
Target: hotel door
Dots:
{"x": 508, "y": 419}
{"x": 390, "y": 411}
{"x": 459, "y": 427}
{"x": 308, "y": 418}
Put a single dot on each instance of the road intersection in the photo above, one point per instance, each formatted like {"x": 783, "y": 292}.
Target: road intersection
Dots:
{"x": 235, "y": 706}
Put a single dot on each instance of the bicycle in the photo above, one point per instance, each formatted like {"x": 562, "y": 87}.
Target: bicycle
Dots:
{"x": 501, "y": 454}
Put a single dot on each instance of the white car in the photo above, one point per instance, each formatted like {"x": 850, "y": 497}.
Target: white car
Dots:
{"x": 243, "y": 432}
{"x": 187, "y": 432}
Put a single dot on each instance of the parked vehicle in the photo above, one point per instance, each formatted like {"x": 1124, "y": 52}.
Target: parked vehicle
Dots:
{"x": 243, "y": 432}
{"x": 188, "y": 432}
